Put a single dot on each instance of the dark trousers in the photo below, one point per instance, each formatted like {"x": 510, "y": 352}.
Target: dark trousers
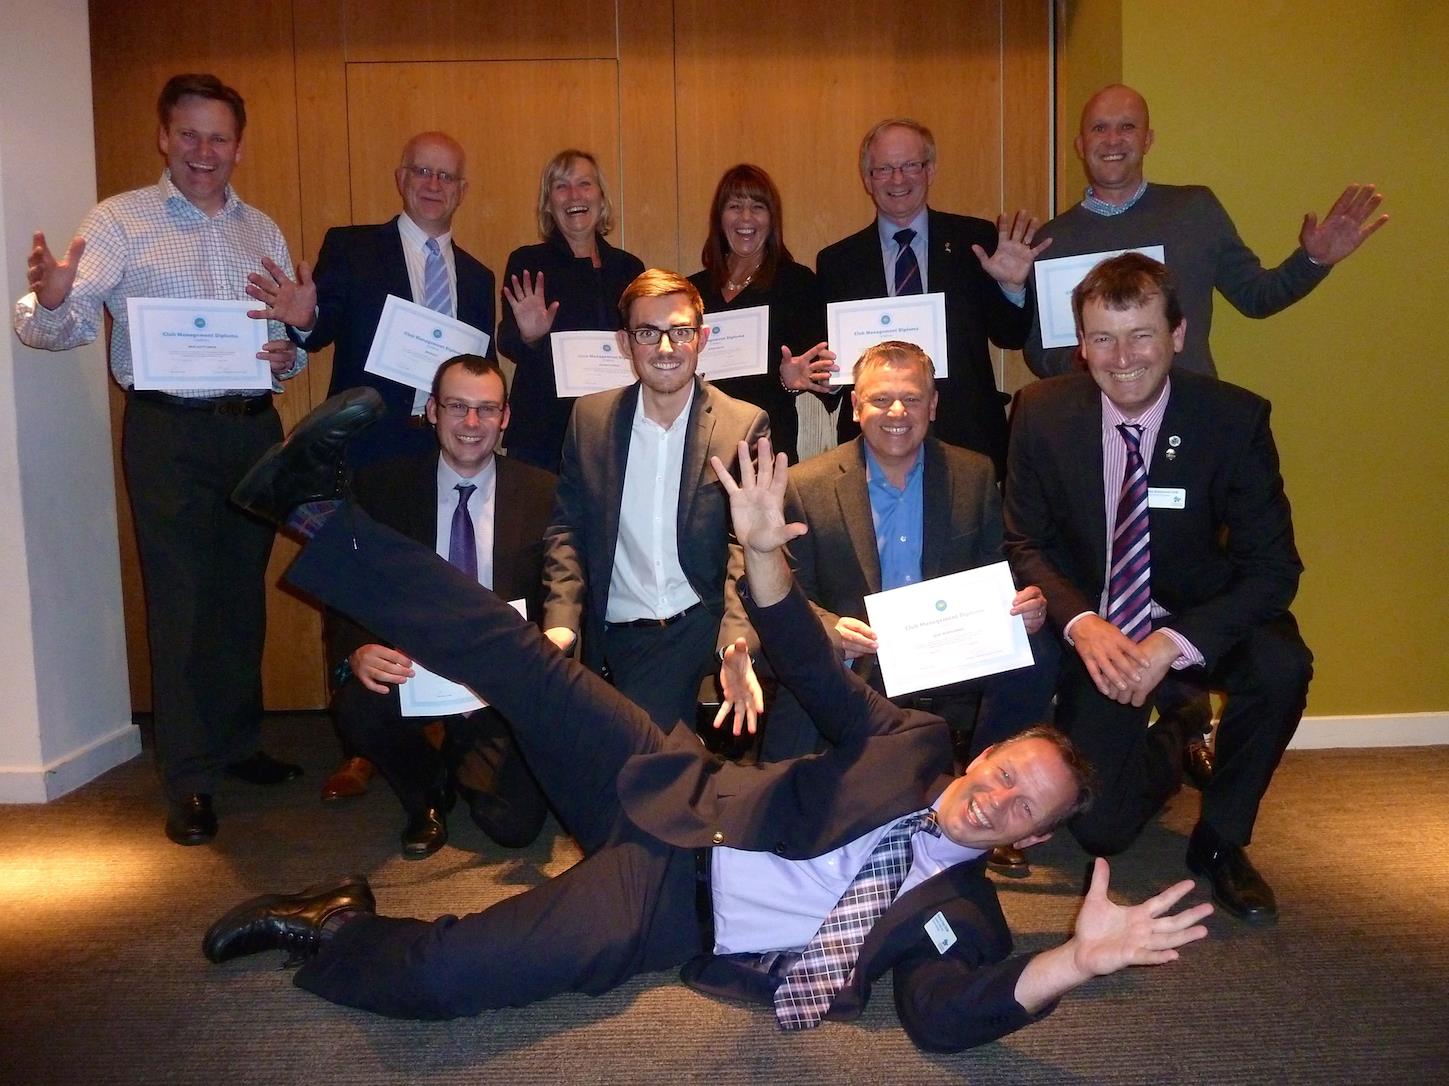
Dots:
{"x": 1265, "y": 677}
{"x": 203, "y": 567}
{"x": 628, "y": 907}
{"x": 659, "y": 668}
{"x": 503, "y": 798}
{"x": 988, "y": 709}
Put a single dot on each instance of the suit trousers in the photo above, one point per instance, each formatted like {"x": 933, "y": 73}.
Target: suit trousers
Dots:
{"x": 629, "y": 907}
{"x": 503, "y": 797}
{"x": 203, "y": 568}
{"x": 659, "y": 668}
{"x": 1265, "y": 676}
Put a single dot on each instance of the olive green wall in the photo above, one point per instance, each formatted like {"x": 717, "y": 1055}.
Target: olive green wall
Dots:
{"x": 1277, "y": 105}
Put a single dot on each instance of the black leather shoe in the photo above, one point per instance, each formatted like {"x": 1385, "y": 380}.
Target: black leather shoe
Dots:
{"x": 1236, "y": 884}
{"x": 309, "y": 466}
{"x": 1008, "y": 861}
{"x": 190, "y": 820}
{"x": 1197, "y": 763}
{"x": 425, "y": 833}
{"x": 262, "y": 768}
{"x": 291, "y": 922}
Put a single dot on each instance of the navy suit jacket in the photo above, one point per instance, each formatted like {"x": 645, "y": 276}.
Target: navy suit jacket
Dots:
{"x": 970, "y": 412}
{"x": 358, "y": 267}
{"x": 1223, "y": 563}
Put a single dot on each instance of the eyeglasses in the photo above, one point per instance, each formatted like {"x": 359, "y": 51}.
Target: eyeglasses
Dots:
{"x": 907, "y": 169}
{"x": 426, "y": 173}
{"x": 458, "y": 409}
{"x": 678, "y": 335}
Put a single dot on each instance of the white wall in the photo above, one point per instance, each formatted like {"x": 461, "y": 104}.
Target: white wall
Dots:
{"x": 63, "y": 687}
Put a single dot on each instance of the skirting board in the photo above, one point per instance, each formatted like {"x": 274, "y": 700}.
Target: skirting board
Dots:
{"x": 40, "y": 784}
{"x": 1377, "y": 730}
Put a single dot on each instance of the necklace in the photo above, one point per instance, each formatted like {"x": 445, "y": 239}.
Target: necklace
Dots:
{"x": 730, "y": 284}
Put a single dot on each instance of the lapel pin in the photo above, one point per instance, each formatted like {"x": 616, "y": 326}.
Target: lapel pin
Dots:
{"x": 1174, "y": 441}
{"x": 1172, "y": 454}
{"x": 948, "y": 246}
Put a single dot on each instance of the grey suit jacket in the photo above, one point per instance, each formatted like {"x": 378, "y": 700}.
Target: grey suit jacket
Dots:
{"x": 579, "y": 544}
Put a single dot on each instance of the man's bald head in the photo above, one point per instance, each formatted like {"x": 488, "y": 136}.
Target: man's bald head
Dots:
{"x": 431, "y": 181}
{"x": 1115, "y": 136}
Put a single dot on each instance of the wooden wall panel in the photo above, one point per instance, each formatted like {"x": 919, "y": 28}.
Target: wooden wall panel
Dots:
{"x": 668, "y": 93}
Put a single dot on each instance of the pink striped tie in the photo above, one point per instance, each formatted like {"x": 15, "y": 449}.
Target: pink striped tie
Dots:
{"x": 1129, "y": 593}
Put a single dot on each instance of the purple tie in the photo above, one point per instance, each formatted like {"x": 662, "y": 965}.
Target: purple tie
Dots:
{"x": 462, "y": 541}
{"x": 908, "y": 272}
{"x": 1129, "y": 592}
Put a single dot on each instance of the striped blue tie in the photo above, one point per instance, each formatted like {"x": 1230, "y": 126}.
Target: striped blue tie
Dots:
{"x": 1129, "y": 591}
{"x": 436, "y": 295}
{"x": 908, "y": 271}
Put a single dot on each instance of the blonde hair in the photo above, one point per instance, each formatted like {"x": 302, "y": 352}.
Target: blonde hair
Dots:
{"x": 555, "y": 168}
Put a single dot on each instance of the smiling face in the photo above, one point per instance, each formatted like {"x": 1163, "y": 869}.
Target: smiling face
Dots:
{"x": 431, "y": 201}
{"x": 1114, "y": 140}
{"x": 1008, "y": 795}
{"x": 1129, "y": 351}
{"x": 202, "y": 147}
{"x": 466, "y": 444}
{"x": 665, "y": 369}
{"x": 897, "y": 197}
{"x": 576, "y": 202}
{"x": 745, "y": 223}
{"x": 894, "y": 404}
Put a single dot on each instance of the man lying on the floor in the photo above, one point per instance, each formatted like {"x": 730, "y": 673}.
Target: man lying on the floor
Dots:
{"x": 732, "y": 871}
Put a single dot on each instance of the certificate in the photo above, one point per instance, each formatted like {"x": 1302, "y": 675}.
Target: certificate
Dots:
{"x": 915, "y": 318}
{"x": 192, "y": 343}
{"x": 948, "y": 629}
{"x": 412, "y": 341}
{"x": 1055, "y": 281}
{"x": 429, "y": 694}
{"x": 585, "y": 362}
{"x": 739, "y": 343}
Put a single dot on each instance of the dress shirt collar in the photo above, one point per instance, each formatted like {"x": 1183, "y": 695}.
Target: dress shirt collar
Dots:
{"x": 170, "y": 192}
{"x": 417, "y": 237}
{"x": 888, "y": 230}
{"x": 1150, "y": 420}
{"x": 1102, "y": 207}
{"x": 448, "y": 478}
{"x": 679, "y": 420}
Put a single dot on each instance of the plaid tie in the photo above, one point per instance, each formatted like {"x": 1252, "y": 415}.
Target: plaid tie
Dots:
{"x": 1129, "y": 591}
{"x": 829, "y": 958}
{"x": 463, "y": 540}
{"x": 436, "y": 295}
{"x": 908, "y": 272}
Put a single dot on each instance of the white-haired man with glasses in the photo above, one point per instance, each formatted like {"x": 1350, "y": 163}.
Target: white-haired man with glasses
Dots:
{"x": 636, "y": 558}
{"x": 486, "y": 515}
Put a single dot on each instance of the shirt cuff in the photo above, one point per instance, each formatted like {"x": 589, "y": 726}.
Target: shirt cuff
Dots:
{"x": 1067, "y": 630}
{"x": 1187, "y": 654}
{"x": 1015, "y": 297}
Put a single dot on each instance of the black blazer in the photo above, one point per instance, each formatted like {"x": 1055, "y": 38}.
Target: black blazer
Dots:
{"x": 358, "y": 267}
{"x": 1223, "y": 563}
{"x": 402, "y": 493}
{"x": 970, "y": 412}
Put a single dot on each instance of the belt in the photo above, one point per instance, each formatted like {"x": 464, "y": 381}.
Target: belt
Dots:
{"x": 212, "y": 405}
{"x": 654, "y": 623}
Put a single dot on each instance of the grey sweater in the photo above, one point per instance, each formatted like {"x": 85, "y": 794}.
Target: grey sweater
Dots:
{"x": 1202, "y": 248}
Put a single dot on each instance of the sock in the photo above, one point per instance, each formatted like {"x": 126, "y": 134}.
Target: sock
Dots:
{"x": 307, "y": 519}
{"x": 335, "y": 922}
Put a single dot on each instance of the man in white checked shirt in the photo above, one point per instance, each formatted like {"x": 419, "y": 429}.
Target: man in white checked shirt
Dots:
{"x": 187, "y": 236}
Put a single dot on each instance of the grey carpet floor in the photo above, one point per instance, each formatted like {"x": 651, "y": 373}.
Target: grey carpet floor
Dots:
{"x": 102, "y": 979}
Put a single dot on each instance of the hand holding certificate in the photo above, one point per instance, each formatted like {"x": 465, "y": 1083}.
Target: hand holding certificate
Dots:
{"x": 196, "y": 344}
{"x": 914, "y": 318}
{"x": 412, "y": 341}
{"x": 1055, "y": 281}
{"x": 948, "y": 629}
{"x": 429, "y": 694}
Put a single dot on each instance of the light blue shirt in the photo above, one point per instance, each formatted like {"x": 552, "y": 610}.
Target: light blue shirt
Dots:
{"x": 899, "y": 520}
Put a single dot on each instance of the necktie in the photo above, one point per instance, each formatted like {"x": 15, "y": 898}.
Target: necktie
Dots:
{"x": 829, "y": 958}
{"x": 908, "y": 272}
{"x": 1129, "y": 591}
{"x": 462, "y": 541}
{"x": 436, "y": 295}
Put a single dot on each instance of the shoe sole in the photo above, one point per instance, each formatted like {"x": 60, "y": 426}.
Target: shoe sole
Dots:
{"x": 217, "y": 954}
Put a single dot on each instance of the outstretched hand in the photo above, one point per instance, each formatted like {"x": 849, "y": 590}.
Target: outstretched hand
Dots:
{"x": 1346, "y": 226}
{"x": 291, "y": 301}
{"x": 1110, "y": 937}
{"x": 740, "y": 693}
{"x": 1010, "y": 264}
{"x": 757, "y": 501}
{"x": 49, "y": 278}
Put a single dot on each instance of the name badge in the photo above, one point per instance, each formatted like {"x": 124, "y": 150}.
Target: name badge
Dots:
{"x": 1166, "y": 497}
{"x": 939, "y": 929}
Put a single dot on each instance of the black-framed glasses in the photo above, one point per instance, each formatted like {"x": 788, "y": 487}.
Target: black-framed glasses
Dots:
{"x": 907, "y": 169}
{"x": 458, "y": 409}
{"x": 679, "y": 335}
{"x": 427, "y": 173}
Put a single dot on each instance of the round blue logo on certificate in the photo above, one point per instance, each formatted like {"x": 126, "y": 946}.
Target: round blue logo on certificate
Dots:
{"x": 940, "y": 605}
{"x": 200, "y": 322}
{"x": 885, "y": 318}
{"x": 714, "y": 331}
{"x": 437, "y": 333}
{"x": 608, "y": 347}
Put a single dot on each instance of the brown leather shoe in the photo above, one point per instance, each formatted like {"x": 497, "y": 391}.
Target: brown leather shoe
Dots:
{"x": 1197, "y": 763}
{"x": 1008, "y": 861}
{"x": 348, "y": 781}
